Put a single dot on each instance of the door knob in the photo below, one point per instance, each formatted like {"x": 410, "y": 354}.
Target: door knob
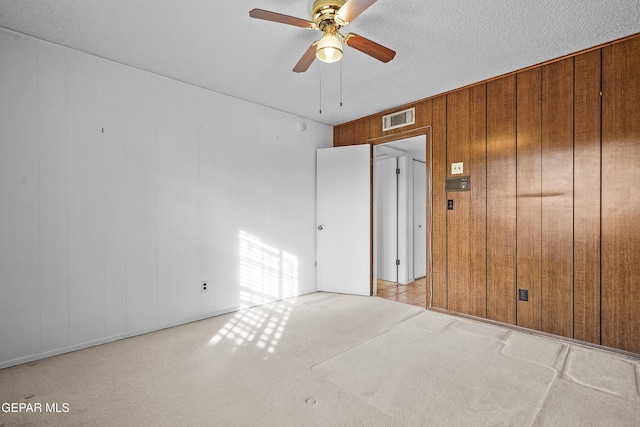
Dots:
{"x": 320, "y": 227}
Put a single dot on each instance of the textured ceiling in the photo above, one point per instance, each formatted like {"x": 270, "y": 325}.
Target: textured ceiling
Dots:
{"x": 440, "y": 44}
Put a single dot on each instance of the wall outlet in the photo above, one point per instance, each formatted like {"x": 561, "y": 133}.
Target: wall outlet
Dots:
{"x": 523, "y": 294}
{"x": 203, "y": 288}
{"x": 457, "y": 168}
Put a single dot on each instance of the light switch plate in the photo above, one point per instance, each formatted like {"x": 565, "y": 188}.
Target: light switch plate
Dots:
{"x": 457, "y": 168}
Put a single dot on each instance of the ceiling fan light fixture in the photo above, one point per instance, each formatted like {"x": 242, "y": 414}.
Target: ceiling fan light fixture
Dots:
{"x": 329, "y": 49}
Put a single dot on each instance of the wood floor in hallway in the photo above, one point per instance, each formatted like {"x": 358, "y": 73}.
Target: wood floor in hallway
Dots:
{"x": 414, "y": 293}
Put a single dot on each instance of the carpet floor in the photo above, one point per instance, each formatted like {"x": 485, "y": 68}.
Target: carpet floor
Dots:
{"x": 327, "y": 360}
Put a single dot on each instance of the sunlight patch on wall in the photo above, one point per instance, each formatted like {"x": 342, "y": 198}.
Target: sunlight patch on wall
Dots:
{"x": 266, "y": 275}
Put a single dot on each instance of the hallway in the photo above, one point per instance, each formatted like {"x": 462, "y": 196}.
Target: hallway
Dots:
{"x": 414, "y": 293}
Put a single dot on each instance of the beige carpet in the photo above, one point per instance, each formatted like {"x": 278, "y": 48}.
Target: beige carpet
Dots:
{"x": 328, "y": 360}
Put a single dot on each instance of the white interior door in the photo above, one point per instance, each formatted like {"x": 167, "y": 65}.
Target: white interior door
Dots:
{"x": 344, "y": 219}
{"x": 419, "y": 219}
{"x": 386, "y": 188}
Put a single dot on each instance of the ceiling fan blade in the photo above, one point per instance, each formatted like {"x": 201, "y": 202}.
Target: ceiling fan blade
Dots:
{"x": 306, "y": 60}
{"x": 353, "y": 8}
{"x": 278, "y": 17}
{"x": 369, "y": 47}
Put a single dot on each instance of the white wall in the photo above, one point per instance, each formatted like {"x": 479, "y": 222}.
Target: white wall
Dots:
{"x": 121, "y": 191}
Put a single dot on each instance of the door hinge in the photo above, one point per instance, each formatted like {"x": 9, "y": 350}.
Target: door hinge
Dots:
{"x": 397, "y": 262}
{"x": 397, "y": 171}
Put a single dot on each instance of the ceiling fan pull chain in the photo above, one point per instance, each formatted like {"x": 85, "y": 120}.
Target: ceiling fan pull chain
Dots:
{"x": 341, "y": 83}
{"x": 320, "y": 88}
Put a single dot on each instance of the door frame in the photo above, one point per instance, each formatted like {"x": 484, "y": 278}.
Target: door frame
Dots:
{"x": 427, "y": 131}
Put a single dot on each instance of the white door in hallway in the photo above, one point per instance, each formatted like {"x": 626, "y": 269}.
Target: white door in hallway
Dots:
{"x": 386, "y": 200}
{"x": 419, "y": 219}
{"x": 344, "y": 219}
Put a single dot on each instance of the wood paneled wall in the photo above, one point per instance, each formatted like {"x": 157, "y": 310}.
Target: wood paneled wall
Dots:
{"x": 501, "y": 199}
{"x": 553, "y": 152}
{"x": 529, "y": 189}
{"x": 620, "y": 276}
{"x": 557, "y": 197}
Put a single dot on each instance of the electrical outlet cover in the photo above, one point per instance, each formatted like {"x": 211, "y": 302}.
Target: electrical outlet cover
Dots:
{"x": 523, "y": 294}
{"x": 457, "y": 168}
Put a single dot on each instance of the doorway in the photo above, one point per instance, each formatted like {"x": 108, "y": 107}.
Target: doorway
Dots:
{"x": 400, "y": 220}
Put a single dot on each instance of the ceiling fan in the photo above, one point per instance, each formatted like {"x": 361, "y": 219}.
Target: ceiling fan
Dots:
{"x": 329, "y": 16}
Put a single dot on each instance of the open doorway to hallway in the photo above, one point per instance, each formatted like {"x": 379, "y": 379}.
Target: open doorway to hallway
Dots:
{"x": 400, "y": 214}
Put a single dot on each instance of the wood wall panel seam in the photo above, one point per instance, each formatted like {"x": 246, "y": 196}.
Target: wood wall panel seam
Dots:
{"x": 458, "y": 219}
{"x": 620, "y": 233}
{"x": 501, "y": 200}
{"x": 439, "y": 123}
{"x": 528, "y": 204}
{"x": 557, "y": 210}
{"x": 587, "y": 196}
{"x": 478, "y": 211}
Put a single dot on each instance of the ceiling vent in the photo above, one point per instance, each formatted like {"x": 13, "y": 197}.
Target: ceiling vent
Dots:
{"x": 399, "y": 119}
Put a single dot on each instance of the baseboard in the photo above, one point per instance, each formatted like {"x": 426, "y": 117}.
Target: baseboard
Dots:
{"x": 538, "y": 333}
{"x": 117, "y": 337}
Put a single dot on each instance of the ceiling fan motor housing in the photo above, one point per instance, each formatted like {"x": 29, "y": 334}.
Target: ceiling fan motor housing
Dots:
{"x": 324, "y": 14}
